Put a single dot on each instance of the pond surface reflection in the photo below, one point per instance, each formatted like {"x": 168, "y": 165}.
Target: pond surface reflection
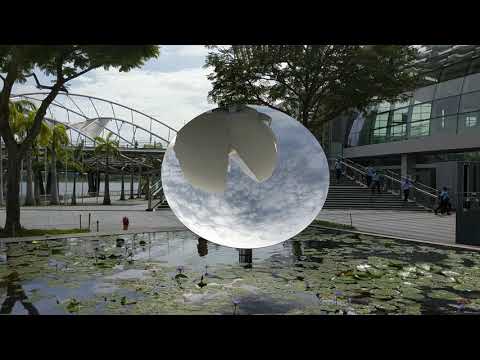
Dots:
{"x": 317, "y": 272}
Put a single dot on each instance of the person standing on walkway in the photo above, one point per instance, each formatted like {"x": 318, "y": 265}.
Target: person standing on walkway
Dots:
{"x": 406, "y": 186}
{"x": 370, "y": 171}
{"x": 444, "y": 200}
{"x": 338, "y": 170}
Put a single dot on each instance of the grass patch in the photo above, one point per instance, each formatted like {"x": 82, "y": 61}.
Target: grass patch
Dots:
{"x": 40, "y": 232}
{"x": 332, "y": 225}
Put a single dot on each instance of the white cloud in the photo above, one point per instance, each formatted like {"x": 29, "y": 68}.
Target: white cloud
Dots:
{"x": 172, "y": 88}
{"x": 187, "y": 50}
{"x": 172, "y": 97}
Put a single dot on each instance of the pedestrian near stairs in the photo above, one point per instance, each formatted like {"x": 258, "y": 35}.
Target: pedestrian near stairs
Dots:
{"x": 370, "y": 172}
{"x": 445, "y": 205}
{"x": 406, "y": 186}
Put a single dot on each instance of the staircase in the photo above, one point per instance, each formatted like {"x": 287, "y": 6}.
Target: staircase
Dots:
{"x": 348, "y": 194}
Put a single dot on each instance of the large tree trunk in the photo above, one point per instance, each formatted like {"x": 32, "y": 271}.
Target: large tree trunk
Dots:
{"x": 49, "y": 181}
{"x": 131, "y": 184}
{"x": 74, "y": 192}
{"x": 54, "y": 182}
{"x": 41, "y": 185}
{"x": 106, "y": 196}
{"x": 91, "y": 183}
{"x": 122, "y": 192}
{"x": 29, "y": 199}
{"x": 12, "y": 222}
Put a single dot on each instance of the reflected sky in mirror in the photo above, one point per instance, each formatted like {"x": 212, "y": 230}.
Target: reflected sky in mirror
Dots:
{"x": 250, "y": 214}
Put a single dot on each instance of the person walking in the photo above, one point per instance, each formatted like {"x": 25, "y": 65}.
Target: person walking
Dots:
{"x": 375, "y": 182}
{"x": 370, "y": 172}
{"x": 406, "y": 186}
{"x": 444, "y": 205}
{"x": 338, "y": 170}
{"x": 381, "y": 181}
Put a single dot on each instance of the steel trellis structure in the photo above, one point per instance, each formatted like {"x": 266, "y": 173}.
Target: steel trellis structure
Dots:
{"x": 89, "y": 116}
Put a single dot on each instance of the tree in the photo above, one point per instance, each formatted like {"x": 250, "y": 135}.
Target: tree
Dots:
{"x": 22, "y": 115}
{"x": 58, "y": 140}
{"x": 107, "y": 148}
{"x": 78, "y": 166}
{"x": 64, "y": 63}
{"x": 313, "y": 83}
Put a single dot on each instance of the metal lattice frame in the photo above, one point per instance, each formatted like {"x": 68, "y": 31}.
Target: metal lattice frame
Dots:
{"x": 130, "y": 127}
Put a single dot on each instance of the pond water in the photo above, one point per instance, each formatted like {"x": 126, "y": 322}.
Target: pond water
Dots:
{"x": 317, "y": 272}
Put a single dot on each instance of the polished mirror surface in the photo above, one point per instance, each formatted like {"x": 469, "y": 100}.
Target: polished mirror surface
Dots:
{"x": 248, "y": 213}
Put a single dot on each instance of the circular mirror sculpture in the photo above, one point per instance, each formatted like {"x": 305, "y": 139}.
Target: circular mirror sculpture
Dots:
{"x": 246, "y": 178}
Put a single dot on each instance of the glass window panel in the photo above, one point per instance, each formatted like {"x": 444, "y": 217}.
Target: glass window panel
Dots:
{"x": 397, "y": 131}
{"x": 420, "y": 128}
{"x": 421, "y": 111}
{"x": 400, "y": 116}
{"x": 444, "y": 125}
{"x": 424, "y": 94}
{"x": 455, "y": 71}
{"x": 430, "y": 78}
{"x": 384, "y": 106}
{"x": 472, "y": 83}
{"x": 445, "y": 106}
{"x": 379, "y": 135}
{"x": 475, "y": 66}
{"x": 469, "y": 121}
{"x": 404, "y": 103}
{"x": 449, "y": 88}
{"x": 381, "y": 120}
{"x": 470, "y": 102}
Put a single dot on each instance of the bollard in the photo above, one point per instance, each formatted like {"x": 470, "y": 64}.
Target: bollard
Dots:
{"x": 97, "y": 225}
{"x": 351, "y": 222}
{"x": 89, "y": 217}
{"x": 80, "y": 221}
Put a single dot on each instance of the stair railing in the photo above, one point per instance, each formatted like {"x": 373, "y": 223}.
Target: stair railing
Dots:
{"x": 420, "y": 193}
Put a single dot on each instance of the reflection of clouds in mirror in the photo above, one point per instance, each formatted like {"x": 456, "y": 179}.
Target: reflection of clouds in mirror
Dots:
{"x": 250, "y": 214}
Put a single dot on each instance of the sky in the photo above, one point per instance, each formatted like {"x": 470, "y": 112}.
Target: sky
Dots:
{"x": 172, "y": 88}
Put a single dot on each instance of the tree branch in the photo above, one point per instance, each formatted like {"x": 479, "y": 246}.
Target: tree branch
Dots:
{"x": 81, "y": 73}
{"x": 40, "y": 86}
{"x": 5, "y": 130}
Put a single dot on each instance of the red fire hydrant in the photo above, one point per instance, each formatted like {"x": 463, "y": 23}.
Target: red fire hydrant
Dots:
{"x": 125, "y": 223}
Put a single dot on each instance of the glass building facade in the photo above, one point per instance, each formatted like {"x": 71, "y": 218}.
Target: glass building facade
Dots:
{"x": 446, "y": 102}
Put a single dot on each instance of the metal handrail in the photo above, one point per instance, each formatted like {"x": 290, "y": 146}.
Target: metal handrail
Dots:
{"x": 433, "y": 190}
{"x": 386, "y": 176}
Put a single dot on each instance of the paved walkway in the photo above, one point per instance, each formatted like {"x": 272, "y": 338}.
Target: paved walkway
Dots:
{"x": 109, "y": 217}
{"x": 406, "y": 224}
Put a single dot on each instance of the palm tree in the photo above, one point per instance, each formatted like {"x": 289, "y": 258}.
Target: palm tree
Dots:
{"x": 78, "y": 167}
{"x": 21, "y": 120}
{"x": 108, "y": 148}
{"x": 58, "y": 139}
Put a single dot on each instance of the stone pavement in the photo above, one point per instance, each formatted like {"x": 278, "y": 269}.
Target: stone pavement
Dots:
{"x": 109, "y": 217}
{"x": 405, "y": 224}
{"x": 414, "y": 225}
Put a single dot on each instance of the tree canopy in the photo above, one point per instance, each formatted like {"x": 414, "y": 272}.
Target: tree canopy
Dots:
{"x": 64, "y": 63}
{"x": 313, "y": 83}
